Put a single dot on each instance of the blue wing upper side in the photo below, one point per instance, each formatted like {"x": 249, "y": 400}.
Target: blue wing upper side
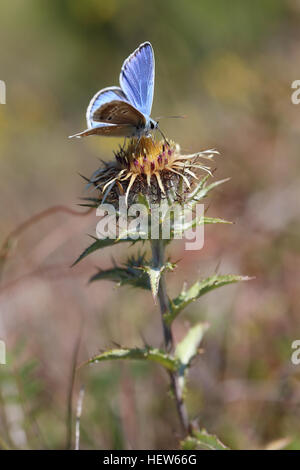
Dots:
{"x": 102, "y": 97}
{"x": 137, "y": 78}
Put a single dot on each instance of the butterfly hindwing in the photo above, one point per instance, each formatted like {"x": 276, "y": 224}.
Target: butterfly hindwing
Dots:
{"x": 137, "y": 78}
{"x": 119, "y": 112}
{"x": 102, "y": 97}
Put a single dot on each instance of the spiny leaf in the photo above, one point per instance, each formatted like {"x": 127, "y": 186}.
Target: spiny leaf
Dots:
{"x": 198, "y": 187}
{"x": 142, "y": 199}
{"x": 148, "y": 354}
{"x": 187, "y": 348}
{"x": 94, "y": 206}
{"x": 198, "y": 289}
{"x": 202, "y": 190}
{"x": 132, "y": 236}
{"x": 89, "y": 202}
{"x": 93, "y": 199}
{"x": 155, "y": 275}
{"x": 135, "y": 272}
{"x": 201, "y": 440}
{"x": 203, "y": 220}
{"x": 212, "y": 220}
{"x": 127, "y": 275}
{"x": 98, "y": 244}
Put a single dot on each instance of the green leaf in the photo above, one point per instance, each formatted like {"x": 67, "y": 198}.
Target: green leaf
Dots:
{"x": 132, "y": 273}
{"x": 142, "y": 199}
{"x": 197, "y": 290}
{"x": 202, "y": 190}
{"x": 123, "y": 276}
{"x": 155, "y": 275}
{"x": 203, "y": 220}
{"x": 198, "y": 188}
{"x": 201, "y": 440}
{"x": 148, "y": 354}
{"x": 89, "y": 202}
{"x": 187, "y": 348}
{"x": 212, "y": 220}
{"x": 132, "y": 236}
{"x": 98, "y": 244}
{"x": 135, "y": 272}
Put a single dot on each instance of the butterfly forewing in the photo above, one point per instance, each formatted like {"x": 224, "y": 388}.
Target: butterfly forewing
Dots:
{"x": 108, "y": 130}
{"x": 137, "y": 78}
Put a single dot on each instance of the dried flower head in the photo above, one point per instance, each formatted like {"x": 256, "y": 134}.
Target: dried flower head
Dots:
{"x": 154, "y": 168}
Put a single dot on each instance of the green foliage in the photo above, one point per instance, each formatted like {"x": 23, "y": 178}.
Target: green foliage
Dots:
{"x": 154, "y": 278}
{"x": 135, "y": 272}
{"x": 201, "y": 440}
{"x": 132, "y": 273}
{"x": 90, "y": 202}
{"x": 187, "y": 349}
{"x": 138, "y": 272}
{"x": 196, "y": 222}
{"x": 148, "y": 354}
{"x": 99, "y": 244}
{"x": 155, "y": 275}
{"x": 198, "y": 289}
{"x": 202, "y": 189}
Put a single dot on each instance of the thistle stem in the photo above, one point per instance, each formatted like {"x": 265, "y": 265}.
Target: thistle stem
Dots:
{"x": 158, "y": 259}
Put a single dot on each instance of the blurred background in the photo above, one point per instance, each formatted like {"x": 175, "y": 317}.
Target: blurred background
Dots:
{"x": 228, "y": 66}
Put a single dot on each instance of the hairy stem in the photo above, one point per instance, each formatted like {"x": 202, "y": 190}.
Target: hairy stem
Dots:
{"x": 158, "y": 259}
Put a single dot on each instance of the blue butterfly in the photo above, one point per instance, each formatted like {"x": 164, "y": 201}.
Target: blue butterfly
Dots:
{"x": 125, "y": 111}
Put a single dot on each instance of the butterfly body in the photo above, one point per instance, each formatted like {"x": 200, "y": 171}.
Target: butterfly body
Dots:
{"x": 125, "y": 111}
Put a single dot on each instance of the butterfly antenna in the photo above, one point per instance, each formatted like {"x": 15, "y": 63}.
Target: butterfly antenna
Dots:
{"x": 171, "y": 117}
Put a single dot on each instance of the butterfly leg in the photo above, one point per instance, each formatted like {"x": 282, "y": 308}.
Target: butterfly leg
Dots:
{"x": 138, "y": 139}
{"x": 163, "y": 136}
{"x": 137, "y": 144}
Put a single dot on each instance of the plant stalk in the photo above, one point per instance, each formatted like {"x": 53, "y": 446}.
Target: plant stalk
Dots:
{"x": 158, "y": 259}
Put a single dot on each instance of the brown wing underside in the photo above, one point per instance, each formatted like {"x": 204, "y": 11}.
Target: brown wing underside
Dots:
{"x": 119, "y": 112}
{"x": 118, "y": 130}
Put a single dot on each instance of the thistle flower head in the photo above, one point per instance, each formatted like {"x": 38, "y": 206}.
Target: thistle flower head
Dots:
{"x": 154, "y": 168}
